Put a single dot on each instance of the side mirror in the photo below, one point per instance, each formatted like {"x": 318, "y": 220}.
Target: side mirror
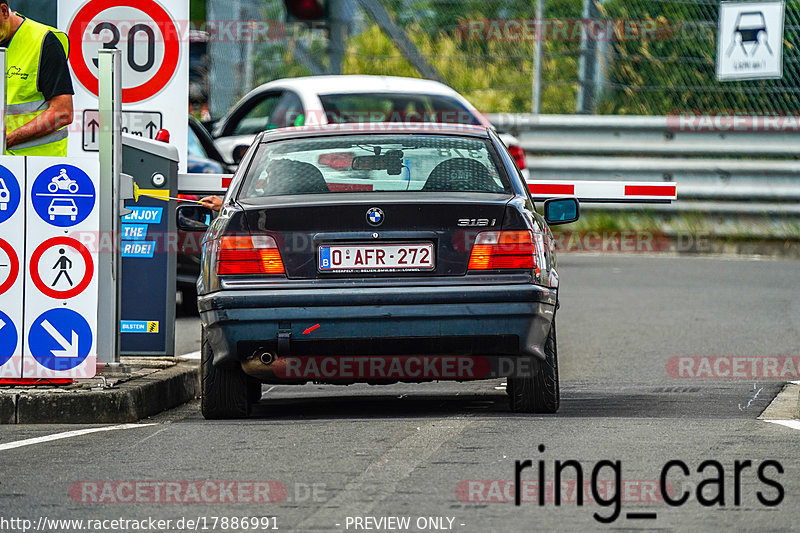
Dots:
{"x": 194, "y": 217}
{"x": 238, "y": 153}
{"x": 561, "y": 211}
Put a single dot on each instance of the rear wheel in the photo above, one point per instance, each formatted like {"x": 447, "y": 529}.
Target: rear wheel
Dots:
{"x": 538, "y": 393}
{"x": 225, "y": 389}
{"x": 253, "y": 390}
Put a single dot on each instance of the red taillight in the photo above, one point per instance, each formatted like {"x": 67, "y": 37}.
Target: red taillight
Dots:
{"x": 518, "y": 154}
{"x": 249, "y": 255}
{"x": 495, "y": 250}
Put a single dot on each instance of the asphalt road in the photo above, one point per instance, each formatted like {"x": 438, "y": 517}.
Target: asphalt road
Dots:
{"x": 440, "y": 451}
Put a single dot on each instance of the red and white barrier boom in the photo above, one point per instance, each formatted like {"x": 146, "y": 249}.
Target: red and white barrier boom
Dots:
{"x": 605, "y": 191}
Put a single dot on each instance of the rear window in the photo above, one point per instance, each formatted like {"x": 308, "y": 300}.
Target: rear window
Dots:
{"x": 398, "y": 108}
{"x": 373, "y": 163}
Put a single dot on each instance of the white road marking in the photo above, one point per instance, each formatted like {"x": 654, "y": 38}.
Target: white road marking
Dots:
{"x": 66, "y": 435}
{"x": 794, "y": 424}
{"x": 751, "y": 399}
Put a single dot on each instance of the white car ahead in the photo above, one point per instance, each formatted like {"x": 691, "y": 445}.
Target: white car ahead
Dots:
{"x": 324, "y": 100}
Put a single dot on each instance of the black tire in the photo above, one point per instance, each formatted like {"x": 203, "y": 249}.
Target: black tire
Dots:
{"x": 538, "y": 393}
{"x": 253, "y": 390}
{"x": 224, "y": 389}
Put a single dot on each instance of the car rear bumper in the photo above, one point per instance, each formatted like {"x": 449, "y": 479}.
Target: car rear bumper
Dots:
{"x": 486, "y": 320}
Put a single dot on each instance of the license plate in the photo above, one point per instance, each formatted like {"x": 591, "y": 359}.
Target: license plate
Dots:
{"x": 376, "y": 258}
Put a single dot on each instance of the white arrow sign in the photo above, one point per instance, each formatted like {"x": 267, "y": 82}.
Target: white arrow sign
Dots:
{"x": 69, "y": 349}
{"x": 2, "y": 323}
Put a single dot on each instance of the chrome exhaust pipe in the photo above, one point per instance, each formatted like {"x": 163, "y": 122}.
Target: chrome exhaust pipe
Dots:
{"x": 266, "y": 358}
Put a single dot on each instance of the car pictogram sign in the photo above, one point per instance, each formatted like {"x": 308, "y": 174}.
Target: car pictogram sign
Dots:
{"x": 63, "y": 195}
{"x": 9, "y": 194}
{"x": 750, "y": 40}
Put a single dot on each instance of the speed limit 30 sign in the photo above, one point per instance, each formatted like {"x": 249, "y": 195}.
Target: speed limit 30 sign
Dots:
{"x": 153, "y": 36}
{"x": 150, "y": 38}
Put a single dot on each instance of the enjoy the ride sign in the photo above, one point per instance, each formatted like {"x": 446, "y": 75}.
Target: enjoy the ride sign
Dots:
{"x": 153, "y": 36}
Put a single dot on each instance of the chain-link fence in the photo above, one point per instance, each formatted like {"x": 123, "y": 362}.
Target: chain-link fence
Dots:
{"x": 608, "y": 57}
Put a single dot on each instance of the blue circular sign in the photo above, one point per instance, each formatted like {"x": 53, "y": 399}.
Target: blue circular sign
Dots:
{"x": 60, "y": 339}
{"x": 8, "y": 338}
{"x": 63, "y": 195}
{"x": 9, "y": 194}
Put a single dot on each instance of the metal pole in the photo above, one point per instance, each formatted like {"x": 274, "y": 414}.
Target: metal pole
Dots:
{"x": 108, "y": 308}
{"x": 537, "y": 59}
{"x": 587, "y": 63}
{"x": 249, "y": 61}
{"x": 3, "y": 100}
{"x": 337, "y": 35}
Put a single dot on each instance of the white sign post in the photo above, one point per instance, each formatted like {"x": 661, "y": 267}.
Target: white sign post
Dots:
{"x": 750, "y": 40}
{"x": 153, "y": 36}
{"x": 12, "y": 246}
{"x": 62, "y": 243}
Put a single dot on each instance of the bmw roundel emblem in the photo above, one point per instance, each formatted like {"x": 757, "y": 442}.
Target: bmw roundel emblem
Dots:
{"x": 375, "y": 216}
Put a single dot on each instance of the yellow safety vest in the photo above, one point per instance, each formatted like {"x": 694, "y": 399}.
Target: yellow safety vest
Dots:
{"x": 24, "y": 101}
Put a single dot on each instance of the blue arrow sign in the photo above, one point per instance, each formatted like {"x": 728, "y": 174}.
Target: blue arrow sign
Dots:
{"x": 8, "y": 338}
{"x": 63, "y": 195}
{"x": 9, "y": 194}
{"x": 60, "y": 339}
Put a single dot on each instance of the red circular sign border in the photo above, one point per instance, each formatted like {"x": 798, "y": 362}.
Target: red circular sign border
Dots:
{"x": 76, "y": 290}
{"x": 12, "y": 256}
{"x": 171, "y": 57}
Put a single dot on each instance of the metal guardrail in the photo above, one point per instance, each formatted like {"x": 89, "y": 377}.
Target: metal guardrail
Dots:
{"x": 728, "y": 171}
{"x": 656, "y": 135}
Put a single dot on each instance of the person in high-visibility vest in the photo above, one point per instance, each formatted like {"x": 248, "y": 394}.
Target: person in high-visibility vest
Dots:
{"x": 38, "y": 86}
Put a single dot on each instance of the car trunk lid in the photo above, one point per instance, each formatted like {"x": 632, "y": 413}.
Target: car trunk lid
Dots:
{"x": 365, "y": 229}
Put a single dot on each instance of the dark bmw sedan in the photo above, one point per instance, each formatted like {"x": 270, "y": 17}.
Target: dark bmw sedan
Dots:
{"x": 378, "y": 254}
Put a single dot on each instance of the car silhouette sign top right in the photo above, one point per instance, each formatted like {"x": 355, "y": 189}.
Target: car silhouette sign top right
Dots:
{"x": 749, "y": 40}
